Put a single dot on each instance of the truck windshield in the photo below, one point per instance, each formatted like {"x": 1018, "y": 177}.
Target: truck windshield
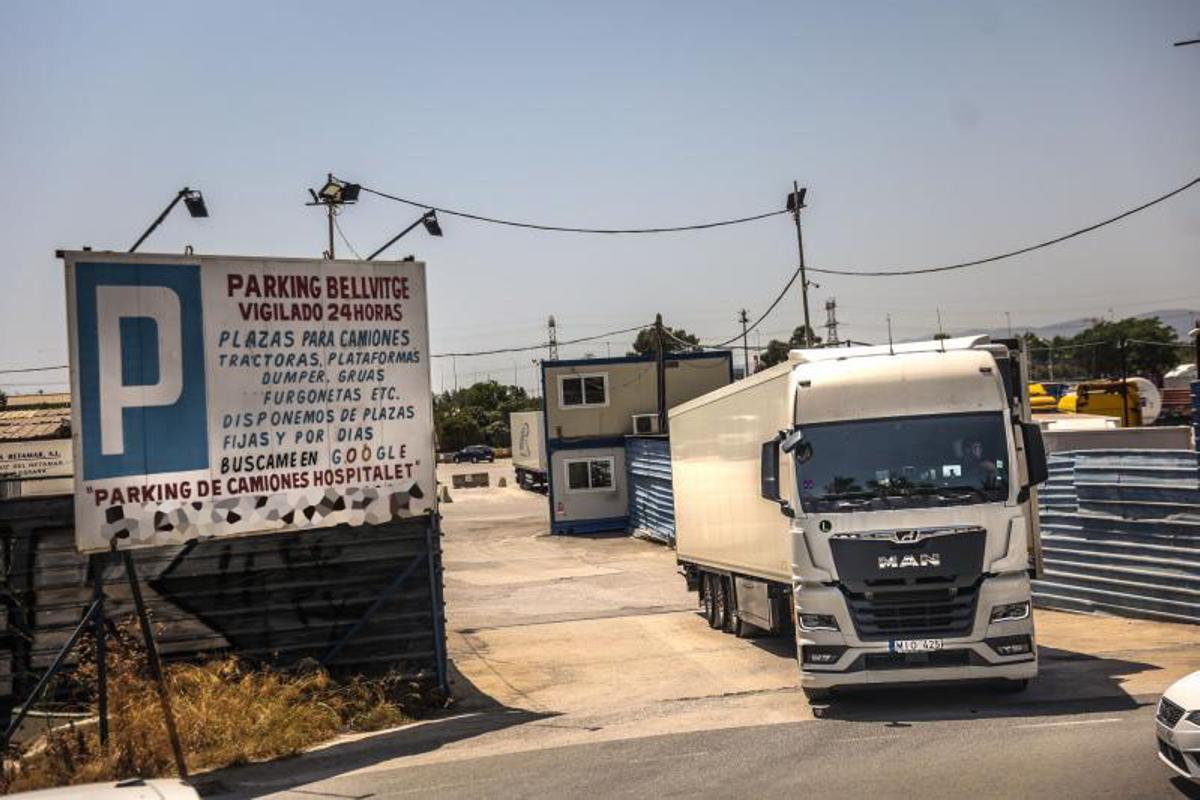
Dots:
{"x": 904, "y": 462}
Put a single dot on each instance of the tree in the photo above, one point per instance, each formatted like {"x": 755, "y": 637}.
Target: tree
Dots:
{"x": 478, "y": 413}
{"x": 1152, "y": 349}
{"x": 644, "y": 344}
{"x": 777, "y": 351}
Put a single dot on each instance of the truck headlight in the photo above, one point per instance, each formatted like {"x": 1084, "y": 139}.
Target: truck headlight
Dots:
{"x": 818, "y": 622}
{"x": 1010, "y": 612}
{"x": 1193, "y": 717}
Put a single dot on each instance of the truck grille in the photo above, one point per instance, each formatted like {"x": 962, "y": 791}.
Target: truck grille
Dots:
{"x": 942, "y": 658}
{"x": 913, "y": 612}
{"x": 1169, "y": 714}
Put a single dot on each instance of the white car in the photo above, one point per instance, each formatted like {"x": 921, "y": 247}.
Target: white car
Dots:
{"x": 1177, "y": 722}
{"x": 132, "y": 789}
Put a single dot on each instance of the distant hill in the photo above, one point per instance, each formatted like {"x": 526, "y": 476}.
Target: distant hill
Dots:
{"x": 1182, "y": 320}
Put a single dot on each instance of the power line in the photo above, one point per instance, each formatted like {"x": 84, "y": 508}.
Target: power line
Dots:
{"x": 541, "y": 346}
{"x": 567, "y": 229}
{"x": 764, "y": 315}
{"x": 345, "y": 241}
{"x": 1012, "y": 253}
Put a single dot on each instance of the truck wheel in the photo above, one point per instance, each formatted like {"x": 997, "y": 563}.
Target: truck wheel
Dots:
{"x": 743, "y": 630}
{"x": 817, "y": 695}
{"x": 1013, "y": 686}
{"x": 724, "y": 615}
{"x": 707, "y": 601}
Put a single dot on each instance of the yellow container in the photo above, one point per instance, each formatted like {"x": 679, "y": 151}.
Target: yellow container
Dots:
{"x": 1103, "y": 398}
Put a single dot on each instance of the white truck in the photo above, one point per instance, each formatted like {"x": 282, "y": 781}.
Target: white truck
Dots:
{"x": 879, "y": 501}
{"x": 528, "y": 449}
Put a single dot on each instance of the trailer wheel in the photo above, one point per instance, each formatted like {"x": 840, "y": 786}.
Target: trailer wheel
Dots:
{"x": 724, "y": 610}
{"x": 742, "y": 629}
{"x": 707, "y": 601}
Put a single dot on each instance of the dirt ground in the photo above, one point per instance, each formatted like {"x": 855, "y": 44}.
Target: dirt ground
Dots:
{"x": 595, "y": 638}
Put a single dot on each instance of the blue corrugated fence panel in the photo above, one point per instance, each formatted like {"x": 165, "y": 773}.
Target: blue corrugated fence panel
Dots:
{"x": 1121, "y": 534}
{"x": 651, "y": 499}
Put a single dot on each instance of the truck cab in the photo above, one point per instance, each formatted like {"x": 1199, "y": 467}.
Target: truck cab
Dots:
{"x": 909, "y": 486}
{"x": 879, "y": 501}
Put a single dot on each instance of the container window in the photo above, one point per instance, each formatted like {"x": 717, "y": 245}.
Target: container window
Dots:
{"x": 590, "y": 474}
{"x": 577, "y": 475}
{"x": 581, "y": 391}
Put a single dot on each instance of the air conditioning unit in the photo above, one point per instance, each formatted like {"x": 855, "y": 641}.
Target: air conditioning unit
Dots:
{"x": 645, "y": 423}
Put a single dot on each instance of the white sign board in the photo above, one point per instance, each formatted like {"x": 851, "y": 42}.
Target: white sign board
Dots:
{"x": 44, "y": 466}
{"x": 218, "y": 396}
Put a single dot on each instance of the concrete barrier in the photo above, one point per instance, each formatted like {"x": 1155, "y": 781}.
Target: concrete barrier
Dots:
{"x": 470, "y": 480}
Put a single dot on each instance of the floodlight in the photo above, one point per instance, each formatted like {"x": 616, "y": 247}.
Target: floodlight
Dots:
{"x": 195, "y": 204}
{"x": 331, "y": 192}
{"x": 795, "y": 200}
{"x": 430, "y": 221}
{"x": 350, "y": 192}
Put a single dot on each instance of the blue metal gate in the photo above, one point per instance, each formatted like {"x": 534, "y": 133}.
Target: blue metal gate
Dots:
{"x": 1121, "y": 534}
{"x": 651, "y": 499}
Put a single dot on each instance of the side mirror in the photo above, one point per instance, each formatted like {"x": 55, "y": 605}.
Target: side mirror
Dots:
{"x": 1036, "y": 468}
{"x": 769, "y": 486}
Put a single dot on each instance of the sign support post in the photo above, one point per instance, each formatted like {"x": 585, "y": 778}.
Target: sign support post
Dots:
{"x": 98, "y": 563}
{"x": 164, "y": 698}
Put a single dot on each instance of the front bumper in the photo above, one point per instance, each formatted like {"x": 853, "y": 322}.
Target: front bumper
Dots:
{"x": 966, "y": 657}
{"x": 1179, "y": 747}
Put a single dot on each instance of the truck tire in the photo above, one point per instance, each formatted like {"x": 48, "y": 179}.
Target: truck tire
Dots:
{"x": 707, "y": 600}
{"x": 1013, "y": 686}
{"x": 817, "y": 695}
{"x": 743, "y": 630}
{"x": 722, "y": 599}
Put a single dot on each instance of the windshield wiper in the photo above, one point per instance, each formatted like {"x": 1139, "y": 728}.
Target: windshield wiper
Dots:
{"x": 861, "y": 494}
{"x": 965, "y": 488}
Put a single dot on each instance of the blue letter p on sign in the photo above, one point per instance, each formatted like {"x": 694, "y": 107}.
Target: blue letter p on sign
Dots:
{"x": 140, "y": 330}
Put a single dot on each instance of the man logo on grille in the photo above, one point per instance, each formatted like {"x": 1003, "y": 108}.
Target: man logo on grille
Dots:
{"x": 911, "y": 561}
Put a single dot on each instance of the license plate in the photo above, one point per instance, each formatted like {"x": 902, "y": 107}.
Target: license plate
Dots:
{"x": 915, "y": 645}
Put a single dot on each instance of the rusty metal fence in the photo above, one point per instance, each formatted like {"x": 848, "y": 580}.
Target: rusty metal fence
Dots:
{"x": 1121, "y": 534}
{"x": 360, "y": 600}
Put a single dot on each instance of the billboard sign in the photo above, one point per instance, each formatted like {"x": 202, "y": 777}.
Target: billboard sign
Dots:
{"x": 39, "y": 467}
{"x": 218, "y": 396}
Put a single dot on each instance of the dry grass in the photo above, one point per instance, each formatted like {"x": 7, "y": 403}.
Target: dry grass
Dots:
{"x": 227, "y": 713}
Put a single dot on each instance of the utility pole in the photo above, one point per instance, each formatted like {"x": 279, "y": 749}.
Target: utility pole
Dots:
{"x": 1196, "y": 343}
{"x": 660, "y": 368}
{"x": 553, "y": 339}
{"x": 795, "y": 202}
{"x": 744, "y": 318}
{"x": 333, "y": 195}
{"x": 1008, "y": 320}
{"x": 1124, "y": 384}
{"x": 454, "y": 364}
{"x": 831, "y": 323}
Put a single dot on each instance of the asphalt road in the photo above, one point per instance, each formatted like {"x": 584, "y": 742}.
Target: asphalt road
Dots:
{"x": 580, "y": 665}
{"x": 1085, "y": 756}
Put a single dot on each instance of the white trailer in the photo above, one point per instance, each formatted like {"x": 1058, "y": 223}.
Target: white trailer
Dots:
{"x": 878, "y": 501}
{"x": 528, "y": 449}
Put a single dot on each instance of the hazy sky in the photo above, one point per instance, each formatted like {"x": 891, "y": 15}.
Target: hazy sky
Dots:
{"x": 926, "y": 133}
